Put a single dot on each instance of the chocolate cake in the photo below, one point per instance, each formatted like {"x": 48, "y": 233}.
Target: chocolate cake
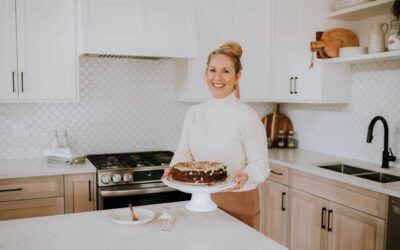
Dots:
{"x": 199, "y": 172}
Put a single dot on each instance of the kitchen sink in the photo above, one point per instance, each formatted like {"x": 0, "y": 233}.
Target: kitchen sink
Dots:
{"x": 346, "y": 169}
{"x": 361, "y": 172}
{"x": 380, "y": 177}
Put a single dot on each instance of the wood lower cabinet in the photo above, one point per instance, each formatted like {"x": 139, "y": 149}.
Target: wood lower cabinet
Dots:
{"x": 48, "y": 195}
{"x": 79, "y": 193}
{"x": 320, "y": 213}
{"x": 31, "y": 197}
{"x": 306, "y": 214}
{"x": 352, "y": 229}
{"x": 317, "y": 223}
{"x": 276, "y": 211}
{"x": 31, "y": 208}
{"x": 274, "y": 205}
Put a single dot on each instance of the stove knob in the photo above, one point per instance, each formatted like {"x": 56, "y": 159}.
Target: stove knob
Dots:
{"x": 105, "y": 179}
{"x": 127, "y": 177}
{"x": 116, "y": 178}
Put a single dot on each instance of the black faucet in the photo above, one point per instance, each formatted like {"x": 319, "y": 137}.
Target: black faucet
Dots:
{"x": 387, "y": 154}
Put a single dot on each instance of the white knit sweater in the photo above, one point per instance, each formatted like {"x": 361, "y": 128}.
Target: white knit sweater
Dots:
{"x": 227, "y": 131}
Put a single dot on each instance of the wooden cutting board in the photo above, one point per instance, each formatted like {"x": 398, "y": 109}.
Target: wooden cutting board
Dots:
{"x": 274, "y": 122}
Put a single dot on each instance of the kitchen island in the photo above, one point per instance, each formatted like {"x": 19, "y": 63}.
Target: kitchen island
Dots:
{"x": 95, "y": 230}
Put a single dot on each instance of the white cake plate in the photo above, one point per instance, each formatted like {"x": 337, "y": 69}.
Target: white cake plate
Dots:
{"x": 201, "y": 193}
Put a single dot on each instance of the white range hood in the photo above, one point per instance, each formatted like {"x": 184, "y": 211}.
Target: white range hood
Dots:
{"x": 140, "y": 28}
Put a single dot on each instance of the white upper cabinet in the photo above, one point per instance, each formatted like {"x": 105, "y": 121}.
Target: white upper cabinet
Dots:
{"x": 154, "y": 28}
{"x": 246, "y": 22}
{"x": 8, "y": 51}
{"x": 292, "y": 78}
{"x": 252, "y": 29}
{"x": 39, "y": 50}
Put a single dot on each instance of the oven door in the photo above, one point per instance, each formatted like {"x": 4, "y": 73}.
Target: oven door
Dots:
{"x": 137, "y": 195}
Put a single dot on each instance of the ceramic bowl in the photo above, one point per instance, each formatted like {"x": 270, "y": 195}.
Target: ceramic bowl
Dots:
{"x": 352, "y": 51}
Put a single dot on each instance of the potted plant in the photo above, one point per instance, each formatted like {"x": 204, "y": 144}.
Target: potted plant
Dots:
{"x": 394, "y": 32}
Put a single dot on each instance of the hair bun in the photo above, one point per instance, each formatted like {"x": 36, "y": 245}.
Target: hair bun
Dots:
{"x": 232, "y": 47}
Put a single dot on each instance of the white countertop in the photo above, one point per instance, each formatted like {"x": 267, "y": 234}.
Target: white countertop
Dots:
{"x": 17, "y": 168}
{"x": 96, "y": 231}
{"x": 307, "y": 161}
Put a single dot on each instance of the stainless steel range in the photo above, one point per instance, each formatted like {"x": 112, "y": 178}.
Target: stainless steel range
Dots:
{"x": 134, "y": 178}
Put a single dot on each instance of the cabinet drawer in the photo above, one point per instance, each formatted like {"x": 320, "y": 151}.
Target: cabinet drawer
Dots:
{"x": 358, "y": 198}
{"x": 10, "y": 210}
{"x": 32, "y": 187}
{"x": 278, "y": 174}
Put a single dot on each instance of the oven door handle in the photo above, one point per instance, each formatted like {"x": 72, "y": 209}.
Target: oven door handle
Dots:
{"x": 115, "y": 193}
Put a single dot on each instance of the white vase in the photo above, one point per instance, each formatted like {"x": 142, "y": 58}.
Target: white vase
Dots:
{"x": 393, "y": 42}
{"x": 377, "y": 38}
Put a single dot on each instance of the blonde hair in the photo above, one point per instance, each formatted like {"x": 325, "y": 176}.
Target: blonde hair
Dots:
{"x": 231, "y": 49}
{"x": 234, "y": 51}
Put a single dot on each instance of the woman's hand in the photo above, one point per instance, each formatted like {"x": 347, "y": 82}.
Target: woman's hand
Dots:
{"x": 240, "y": 179}
{"x": 167, "y": 172}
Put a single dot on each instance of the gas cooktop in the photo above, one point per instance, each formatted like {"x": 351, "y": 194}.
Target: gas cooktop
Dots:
{"x": 131, "y": 160}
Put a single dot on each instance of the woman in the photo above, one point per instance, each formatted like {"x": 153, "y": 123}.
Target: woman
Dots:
{"x": 226, "y": 130}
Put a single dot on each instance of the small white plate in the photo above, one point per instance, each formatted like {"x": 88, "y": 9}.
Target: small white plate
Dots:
{"x": 124, "y": 216}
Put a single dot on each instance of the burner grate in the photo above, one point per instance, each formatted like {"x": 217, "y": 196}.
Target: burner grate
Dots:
{"x": 131, "y": 160}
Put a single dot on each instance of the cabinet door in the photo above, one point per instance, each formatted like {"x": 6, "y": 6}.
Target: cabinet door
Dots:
{"x": 276, "y": 210}
{"x": 79, "y": 193}
{"x": 284, "y": 47}
{"x": 214, "y": 27}
{"x": 8, "y": 51}
{"x": 307, "y": 215}
{"x": 252, "y": 29}
{"x": 295, "y": 28}
{"x": 10, "y": 210}
{"x": 47, "y": 51}
{"x": 355, "y": 230}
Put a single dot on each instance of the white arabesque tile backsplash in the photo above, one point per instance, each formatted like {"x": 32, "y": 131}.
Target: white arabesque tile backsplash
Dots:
{"x": 130, "y": 105}
{"x": 125, "y": 105}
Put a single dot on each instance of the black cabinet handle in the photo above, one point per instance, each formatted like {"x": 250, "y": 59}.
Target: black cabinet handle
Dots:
{"x": 11, "y": 190}
{"x": 330, "y": 212}
{"x": 90, "y": 190}
{"x": 272, "y": 171}
{"x": 13, "y": 81}
{"x": 291, "y": 82}
{"x": 295, "y": 85}
{"x": 283, "y": 201}
{"x": 323, "y": 226}
{"x": 22, "y": 81}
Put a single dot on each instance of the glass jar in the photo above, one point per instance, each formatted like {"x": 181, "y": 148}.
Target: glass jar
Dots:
{"x": 393, "y": 40}
{"x": 281, "y": 139}
{"x": 291, "y": 142}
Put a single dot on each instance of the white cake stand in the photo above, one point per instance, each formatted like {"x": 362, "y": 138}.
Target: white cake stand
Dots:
{"x": 201, "y": 193}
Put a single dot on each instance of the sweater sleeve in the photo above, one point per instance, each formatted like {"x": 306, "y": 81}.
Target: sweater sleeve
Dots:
{"x": 183, "y": 153}
{"x": 256, "y": 150}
